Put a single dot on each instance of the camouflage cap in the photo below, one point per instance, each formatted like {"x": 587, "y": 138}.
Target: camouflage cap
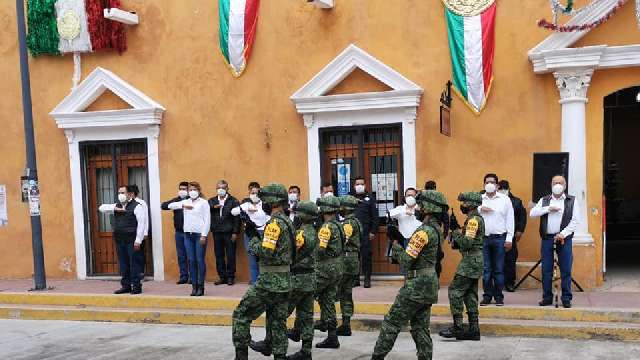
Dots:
{"x": 348, "y": 202}
{"x": 328, "y": 204}
{"x": 431, "y": 201}
{"x": 471, "y": 197}
{"x": 306, "y": 210}
{"x": 273, "y": 193}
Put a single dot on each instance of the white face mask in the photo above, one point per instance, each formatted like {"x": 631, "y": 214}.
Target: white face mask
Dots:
{"x": 194, "y": 194}
{"x": 122, "y": 198}
{"x": 359, "y": 189}
{"x": 182, "y": 194}
{"x": 254, "y": 198}
{"x": 490, "y": 188}
{"x": 222, "y": 192}
{"x": 557, "y": 189}
{"x": 293, "y": 197}
{"x": 410, "y": 200}
{"x": 328, "y": 193}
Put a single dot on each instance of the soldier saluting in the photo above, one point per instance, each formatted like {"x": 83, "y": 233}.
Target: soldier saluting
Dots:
{"x": 463, "y": 290}
{"x": 271, "y": 291}
{"x": 420, "y": 291}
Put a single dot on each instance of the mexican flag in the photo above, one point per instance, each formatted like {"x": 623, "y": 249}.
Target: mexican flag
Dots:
{"x": 238, "y": 23}
{"x": 472, "y": 47}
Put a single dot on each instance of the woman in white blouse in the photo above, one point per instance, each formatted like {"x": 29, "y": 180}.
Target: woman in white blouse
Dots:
{"x": 197, "y": 220}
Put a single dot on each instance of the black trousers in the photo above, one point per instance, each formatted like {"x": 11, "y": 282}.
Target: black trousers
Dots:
{"x": 128, "y": 260}
{"x": 225, "y": 251}
{"x": 510, "y": 259}
{"x": 366, "y": 252}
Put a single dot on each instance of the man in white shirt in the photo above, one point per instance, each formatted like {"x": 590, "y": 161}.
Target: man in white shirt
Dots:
{"x": 253, "y": 207}
{"x": 128, "y": 232}
{"x": 294, "y": 198}
{"x": 406, "y": 214}
{"x": 497, "y": 212}
{"x": 558, "y": 214}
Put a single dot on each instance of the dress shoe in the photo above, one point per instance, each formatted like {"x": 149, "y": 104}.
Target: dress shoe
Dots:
{"x": 200, "y": 291}
{"x": 182, "y": 281}
{"x": 367, "y": 282}
{"x": 545, "y": 302}
{"x": 123, "y": 290}
{"x": 194, "y": 290}
{"x": 231, "y": 281}
{"x": 220, "y": 281}
{"x": 509, "y": 288}
{"x": 566, "y": 304}
{"x": 485, "y": 302}
{"x": 136, "y": 290}
{"x": 500, "y": 302}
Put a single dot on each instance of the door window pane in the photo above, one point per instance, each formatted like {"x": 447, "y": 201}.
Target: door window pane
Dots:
{"x": 106, "y": 192}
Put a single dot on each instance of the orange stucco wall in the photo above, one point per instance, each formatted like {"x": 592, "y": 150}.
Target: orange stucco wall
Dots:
{"x": 173, "y": 57}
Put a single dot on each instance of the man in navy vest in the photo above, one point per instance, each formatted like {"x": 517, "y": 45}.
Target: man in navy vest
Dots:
{"x": 128, "y": 232}
{"x": 558, "y": 214}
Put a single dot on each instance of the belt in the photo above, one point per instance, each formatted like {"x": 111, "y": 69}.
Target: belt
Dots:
{"x": 274, "y": 268}
{"x": 411, "y": 274}
{"x": 351, "y": 254}
{"x": 302, "y": 271}
{"x": 495, "y": 236}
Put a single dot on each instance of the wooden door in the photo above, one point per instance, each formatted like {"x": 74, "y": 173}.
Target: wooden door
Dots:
{"x": 109, "y": 166}
{"x": 374, "y": 153}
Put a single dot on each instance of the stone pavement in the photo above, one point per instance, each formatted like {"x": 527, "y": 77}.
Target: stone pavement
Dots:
{"x": 378, "y": 293}
{"x": 66, "y": 340}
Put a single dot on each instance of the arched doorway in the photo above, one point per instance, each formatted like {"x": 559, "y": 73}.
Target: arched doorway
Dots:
{"x": 622, "y": 186}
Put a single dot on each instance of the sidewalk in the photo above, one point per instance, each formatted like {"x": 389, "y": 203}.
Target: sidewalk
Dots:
{"x": 384, "y": 293}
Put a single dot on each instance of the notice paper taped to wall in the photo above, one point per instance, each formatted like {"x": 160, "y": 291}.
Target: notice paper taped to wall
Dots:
{"x": 4, "y": 217}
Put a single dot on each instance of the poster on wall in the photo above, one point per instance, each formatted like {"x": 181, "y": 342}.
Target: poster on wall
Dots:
{"x": 384, "y": 185}
{"x": 34, "y": 198}
{"x": 4, "y": 218}
{"x": 344, "y": 179}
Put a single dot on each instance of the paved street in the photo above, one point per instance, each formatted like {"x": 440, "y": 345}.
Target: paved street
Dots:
{"x": 33, "y": 340}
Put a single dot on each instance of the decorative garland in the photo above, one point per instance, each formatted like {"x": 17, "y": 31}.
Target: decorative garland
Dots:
{"x": 582, "y": 27}
{"x": 43, "y": 35}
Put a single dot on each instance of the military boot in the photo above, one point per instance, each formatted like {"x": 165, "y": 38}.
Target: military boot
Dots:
{"x": 293, "y": 335}
{"x": 300, "y": 355}
{"x": 331, "y": 342}
{"x": 473, "y": 333}
{"x": 263, "y": 347}
{"x": 455, "y": 330}
{"x": 320, "y": 326}
{"x": 242, "y": 354}
{"x": 345, "y": 328}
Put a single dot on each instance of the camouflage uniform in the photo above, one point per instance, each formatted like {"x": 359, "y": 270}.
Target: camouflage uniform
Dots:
{"x": 271, "y": 290}
{"x": 329, "y": 269}
{"x": 420, "y": 291}
{"x": 463, "y": 289}
{"x": 304, "y": 283}
{"x": 352, "y": 229}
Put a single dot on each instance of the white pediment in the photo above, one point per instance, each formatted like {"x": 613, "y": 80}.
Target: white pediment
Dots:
{"x": 555, "y": 52}
{"x": 70, "y": 112}
{"x": 312, "y": 96}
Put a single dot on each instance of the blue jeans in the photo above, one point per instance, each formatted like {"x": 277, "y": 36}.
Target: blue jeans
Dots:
{"x": 493, "y": 274}
{"x": 565, "y": 260}
{"x": 128, "y": 262}
{"x": 254, "y": 270}
{"x": 195, "y": 254}
{"x": 181, "y": 253}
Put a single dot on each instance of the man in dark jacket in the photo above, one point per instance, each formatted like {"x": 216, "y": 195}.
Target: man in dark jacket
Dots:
{"x": 367, "y": 213}
{"x": 178, "y": 222}
{"x": 520, "y": 222}
{"x": 225, "y": 229}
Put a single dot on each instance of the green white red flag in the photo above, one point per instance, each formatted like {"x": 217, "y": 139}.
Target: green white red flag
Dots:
{"x": 238, "y": 23}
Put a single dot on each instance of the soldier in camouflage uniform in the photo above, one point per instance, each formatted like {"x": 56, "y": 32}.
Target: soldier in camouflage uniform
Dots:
{"x": 271, "y": 290}
{"x": 420, "y": 291}
{"x": 463, "y": 290}
{"x": 329, "y": 267}
{"x": 304, "y": 284}
{"x": 352, "y": 231}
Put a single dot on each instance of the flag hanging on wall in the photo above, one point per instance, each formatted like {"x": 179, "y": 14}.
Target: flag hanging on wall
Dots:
{"x": 238, "y": 23}
{"x": 471, "y": 31}
{"x": 72, "y": 26}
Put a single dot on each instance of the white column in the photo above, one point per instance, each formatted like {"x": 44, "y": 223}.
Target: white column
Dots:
{"x": 573, "y": 85}
{"x": 77, "y": 201}
{"x": 313, "y": 156}
{"x": 409, "y": 149}
{"x": 153, "y": 168}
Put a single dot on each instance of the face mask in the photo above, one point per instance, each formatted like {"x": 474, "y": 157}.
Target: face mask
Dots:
{"x": 410, "y": 200}
{"x": 504, "y": 192}
{"x": 557, "y": 189}
{"x": 254, "y": 198}
{"x": 193, "y": 194}
{"x": 222, "y": 192}
{"x": 490, "y": 188}
{"x": 122, "y": 198}
{"x": 293, "y": 197}
{"x": 359, "y": 189}
{"x": 183, "y": 194}
{"x": 266, "y": 208}
{"x": 328, "y": 193}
